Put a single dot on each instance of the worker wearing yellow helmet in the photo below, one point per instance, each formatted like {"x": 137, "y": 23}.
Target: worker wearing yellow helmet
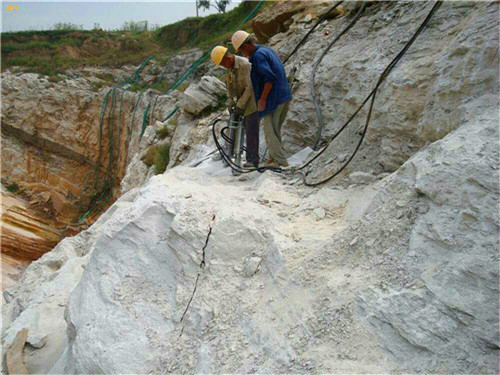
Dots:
{"x": 272, "y": 92}
{"x": 241, "y": 98}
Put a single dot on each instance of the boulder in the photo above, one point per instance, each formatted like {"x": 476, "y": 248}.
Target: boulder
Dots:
{"x": 451, "y": 310}
{"x": 206, "y": 94}
{"x": 269, "y": 23}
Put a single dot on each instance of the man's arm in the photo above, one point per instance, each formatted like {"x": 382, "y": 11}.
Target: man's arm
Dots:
{"x": 263, "y": 98}
{"x": 242, "y": 102}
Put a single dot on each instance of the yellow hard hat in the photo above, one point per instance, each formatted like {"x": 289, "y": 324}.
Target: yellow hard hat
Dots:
{"x": 217, "y": 54}
{"x": 238, "y": 38}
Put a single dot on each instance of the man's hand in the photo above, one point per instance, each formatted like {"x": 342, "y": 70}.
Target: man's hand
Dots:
{"x": 238, "y": 111}
{"x": 261, "y": 106}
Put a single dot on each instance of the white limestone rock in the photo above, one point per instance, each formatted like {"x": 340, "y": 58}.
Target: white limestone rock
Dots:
{"x": 202, "y": 95}
{"x": 361, "y": 177}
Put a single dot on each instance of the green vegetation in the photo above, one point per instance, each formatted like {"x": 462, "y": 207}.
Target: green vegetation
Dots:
{"x": 12, "y": 187}
{"x": 50, "y": 52}
{"x": 67, "y": 26}
{"x": 135, "y": 26}
{"x": 54, "y": 51}
{"x": 163, "y": 132}
{"x": 202, "y": 32}
{"x": 159, "y": 156}
{"x": 183, "y": 86}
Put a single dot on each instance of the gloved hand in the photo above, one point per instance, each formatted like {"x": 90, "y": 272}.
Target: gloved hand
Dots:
{"x": 231, "y": 108}
{"x": 238, "y": 111}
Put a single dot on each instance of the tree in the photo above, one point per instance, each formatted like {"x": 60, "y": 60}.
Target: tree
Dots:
{"x": 66, "y": 26}
{"x": 135, "y": 26}
{"x": 219, "y": 5}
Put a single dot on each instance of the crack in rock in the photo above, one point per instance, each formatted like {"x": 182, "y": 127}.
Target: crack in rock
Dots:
{"x": 202, "y": 266}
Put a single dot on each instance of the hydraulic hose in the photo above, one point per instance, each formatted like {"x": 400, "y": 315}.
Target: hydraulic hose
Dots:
{"x": 299, "y": 44}
{"x": 319, "y": 115}
{"x": 228, "y": 160}
{"x": 372, "y": 95}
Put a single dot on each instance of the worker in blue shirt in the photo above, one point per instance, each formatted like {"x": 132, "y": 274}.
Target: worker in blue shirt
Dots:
{"x": 272, "y": 92}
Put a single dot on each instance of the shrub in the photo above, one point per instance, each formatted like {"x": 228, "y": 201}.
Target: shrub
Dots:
{"x": 162, "y": 133}
{"x": 159, "y": 156}
{"x": 203, "y": 31}
{"x": 55, "y": 78}
{"x": 66, "y": 26}
{"x": 135, "y": 26}
{"x": 162, "y": 157}
{"x": 12, "y": 187}
{"x": 149, "y": 157}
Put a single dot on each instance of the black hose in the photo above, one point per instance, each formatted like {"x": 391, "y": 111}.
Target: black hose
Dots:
{"x": 233, "y": 165}
{"x": 299, "y": 44}
{"x": 228, "y": 139}
{"x": 319, "y": 115}
{"x": 372, "y": 95}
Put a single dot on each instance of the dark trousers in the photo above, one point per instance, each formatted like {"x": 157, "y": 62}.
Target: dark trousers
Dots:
{"x": 252, "y": 137}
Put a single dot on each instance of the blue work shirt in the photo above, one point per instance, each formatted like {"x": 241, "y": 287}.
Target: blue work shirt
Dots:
{"x": 267, "y": 67}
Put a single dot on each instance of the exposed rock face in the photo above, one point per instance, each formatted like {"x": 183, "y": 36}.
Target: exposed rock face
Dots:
{"x": 203, "y": 95}
{"x": 451, "y": 311}
{"x": 51, "y": 145}
{"x": 277, "y": 19}
{"x": 23, "y": 228}
{"x": 38, "y": 301}
{"x": 197, "y": 271}
{"x": 179, "y": 63}
{"x": 178, "y": 313}
{"x": 50, "y": 142}
{"x": 204, "y": 286}
{"x": 426, "y": 96}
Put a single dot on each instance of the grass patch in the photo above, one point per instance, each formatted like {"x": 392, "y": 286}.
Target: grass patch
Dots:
{"x": 183, "y": 86}
{"x": 45, "y": 51}
{"x": 136, "y": 87}
{"x": 75, "y": 42}
{"x": 12, "y": 188}
{"x": 159, "y": 156}
{"x": 108, "y": 77}
{"x": 162, "y": 86}
{"x": 55, "y": 78}
{"x": 163, "y": 132}
{"x": 203, "y": 31}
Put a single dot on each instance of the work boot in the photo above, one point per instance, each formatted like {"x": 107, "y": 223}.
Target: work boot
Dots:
{"x": 249, "y": 164}
{"x": 270, "y": 163}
